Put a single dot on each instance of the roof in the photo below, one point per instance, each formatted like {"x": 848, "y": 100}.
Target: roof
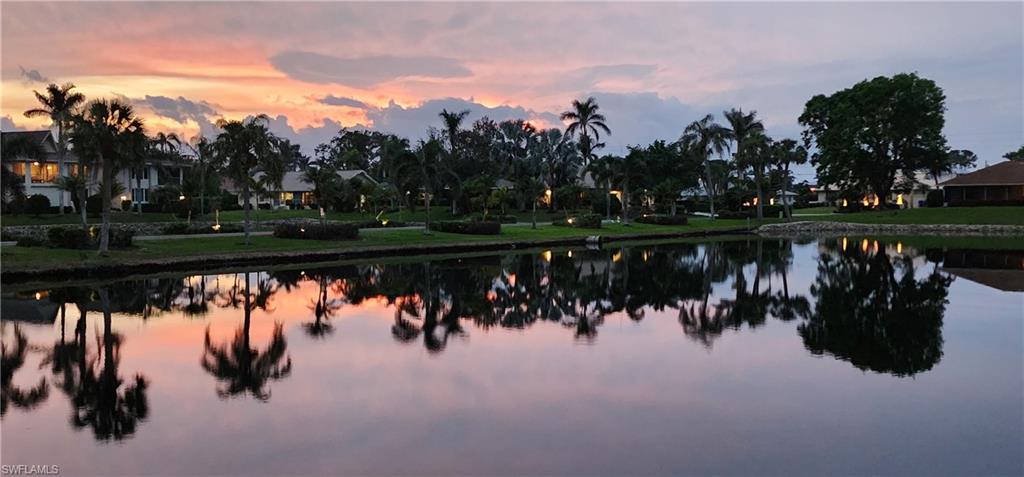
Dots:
{"x": 1003, "y": 173}
{"x": 1005, "y": 280}
{"x": 38, "y": 137}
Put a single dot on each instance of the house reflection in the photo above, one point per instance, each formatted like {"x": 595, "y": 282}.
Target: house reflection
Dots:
{"x": 999, "y": 269}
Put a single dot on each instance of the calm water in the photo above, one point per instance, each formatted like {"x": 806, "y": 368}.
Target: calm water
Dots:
{"x": 735, "y": 357}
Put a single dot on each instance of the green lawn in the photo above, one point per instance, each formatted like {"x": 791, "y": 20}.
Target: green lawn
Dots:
{"x": 74, "y": 219}
{"x": 15, "y": 258}
{"x": 813, "y": 211}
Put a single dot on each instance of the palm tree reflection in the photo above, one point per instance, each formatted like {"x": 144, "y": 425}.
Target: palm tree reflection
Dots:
{"x": 238, "y": 366}
{"x": 12, "y": 358}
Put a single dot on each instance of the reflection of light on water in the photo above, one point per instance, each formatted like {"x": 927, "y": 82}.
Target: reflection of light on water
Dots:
{"x": 547, "y": 255}
{"x": 899, "y": 247}
{"x": 617, "y": 256}
{"x": 570, "y": 253}
{"x": 864, "y": 245}
{"x": 844, "y": 244}
{"x": 875, "y": 246}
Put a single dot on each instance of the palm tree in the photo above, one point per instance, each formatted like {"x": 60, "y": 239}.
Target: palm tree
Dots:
{"x": 247, "y": 148}
{"x": 756, "y": 154}
{"x": 452, "y": 127}
{"x": 742, "y": 125}
{"x": 423, "y": 168}
{"x": 59, "y": 104}
{"x": 626, "y": 171}
{"x": 110, "y": 134}
{"x": 584, "y": 121}
{"x": 204, "y": 157}
{"x": 706, "y": 137}
{"x": 784, "y": 153}
{"x": 602, "y": 173}
{"x": 324, "y": 180}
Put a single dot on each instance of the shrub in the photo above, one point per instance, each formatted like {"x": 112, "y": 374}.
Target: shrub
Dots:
{"x": 374, "y": 224}
{"x": 934, "y": 199}
{"x": 37, "y": 204}
{"x": 229, "y": 201}
{"x": 126, "y": 204}
{"x": 29, "y": 241}
{"x": 583, "y": 221}
{"x": 94, "y": 205}
{"x": 186, "y": 229}
{"x": 332, "y": 231}
{"x": 469, "y": 228}
{"x": 659, "y": 219}
{"x": 67, "y": 237}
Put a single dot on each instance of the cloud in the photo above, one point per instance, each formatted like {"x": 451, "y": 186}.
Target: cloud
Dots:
{"x": 308, "y": 137}
{"x": 32, "y": 76}
{"x": 413, "y": 122}
{"x": 365, "y": 71}
{"x": 332, "y": 100}
{"x": 7, "y": 124}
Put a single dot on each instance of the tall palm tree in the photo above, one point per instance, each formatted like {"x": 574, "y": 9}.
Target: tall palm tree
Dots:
{"x": 247, "y": 148}
{"x": 584, "y": 121}
{"x": 784, "y": 153}
{"x": 11, "y": 359}
{"x": 324, "y": 180}
{"x": 111, "y": 135}
{"x": 59, "y": 103}
{"x": 205, "y": 159}
{"x": 452, "y": 127}
{"x": 756, "y": 154}
{"x": 705, "y": 137}
{"x": 602, "y": 172}
{"x": 742, "y": 125}
{"x": 626, "y": 172}
{"x": 423, "y": 167}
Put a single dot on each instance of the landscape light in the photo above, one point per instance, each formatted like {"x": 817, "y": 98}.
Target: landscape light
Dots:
{"x": 181, "y": 197}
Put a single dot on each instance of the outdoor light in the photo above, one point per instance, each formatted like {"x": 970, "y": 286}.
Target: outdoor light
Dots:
{"x": 899, "y": 199}
{"x": 864, "y": 245}
{"x": 547, "y": 255}
{"x": 771, "y": 201}
{"x": 124, "y": 197}
{"x": 181, "y": 197}
{"x": 844, "y": 203}
{"x": 570, "y": 254}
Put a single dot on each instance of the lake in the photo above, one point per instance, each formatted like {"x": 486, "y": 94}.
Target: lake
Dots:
{"x": 747, "y": 356}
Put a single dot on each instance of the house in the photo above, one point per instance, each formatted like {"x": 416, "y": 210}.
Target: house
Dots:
{"x": 294, "y": 191}
{"x": 998, "y": 184}
{"x": 41, "y": 175}
{"x": 908, "y": 192}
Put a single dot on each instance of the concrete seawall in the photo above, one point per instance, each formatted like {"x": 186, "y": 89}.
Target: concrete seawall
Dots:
{"x": 843, "y": 228}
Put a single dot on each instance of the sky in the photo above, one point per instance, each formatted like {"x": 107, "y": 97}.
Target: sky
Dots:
{"x": 653, "y": 68}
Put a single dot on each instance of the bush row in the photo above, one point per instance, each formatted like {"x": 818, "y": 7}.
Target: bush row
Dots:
{"x": 374, "y": 224}
{"x": 193, "y": 229}
{"x": 470, "y": 228}
{"x": 332, "y": 231}
{"x": 659, "y": 219}
{"x": 583, "y": 221}
{"x": 501, "y": 219}
{"x": 73, "y": 238}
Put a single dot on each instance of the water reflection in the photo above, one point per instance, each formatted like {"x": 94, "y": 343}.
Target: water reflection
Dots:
{"x": 877, "y": 306}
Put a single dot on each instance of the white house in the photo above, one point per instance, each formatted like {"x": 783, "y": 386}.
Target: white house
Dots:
{"x": 41, "y": 174}
{"x": 294, "y": 191}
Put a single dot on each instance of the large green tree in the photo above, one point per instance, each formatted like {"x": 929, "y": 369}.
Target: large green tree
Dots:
{"x": 868, "y": 133}
{"x": 59, "y": 103}
{"x": 1017, "y": 155}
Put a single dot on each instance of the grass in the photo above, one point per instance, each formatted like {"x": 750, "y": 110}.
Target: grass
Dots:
{"x": 74, "y": 219}
{"x": 21, "y": 258}
{"x": 813, "y": 211}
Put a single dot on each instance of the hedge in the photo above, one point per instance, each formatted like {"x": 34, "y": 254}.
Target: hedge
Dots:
{"x": 187, "y": 229}
{"x": 375, "y": 224}
{"x": 501, "y": 219}
{"x": 661, "y": 219}
{"x": 470, "y": 228}
{"x": 73, "y": 238}
{"x": 317, "y": 232}
{"x": 582, "y": 221}
{"x": 735, "y": 214}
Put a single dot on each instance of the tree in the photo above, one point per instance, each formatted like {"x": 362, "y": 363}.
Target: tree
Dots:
{"x": 756, "y": 155}
{"x": 532, "y": 189}
{"x": 324, "y": 180}
{"x": 784, "y": 153}
{"x": 59, "y": 104}
{"x": 704, "y": 138}
{"x": 247, "y": 148}
{"x": 867, "y": 133}
{"x": 585, "y": 121}
{"x": 423, "y": 168}
{"x": 204, "y": 159}
{"x": 108, "y": 133}
{"x": 626, "y": 172}
{"x": 453, "y": 128}
{"x": 1017, "y": 155}
{"x": 602, "y": 172}
{"x": 742, "y": 126}
{"x": 941, "y": 162}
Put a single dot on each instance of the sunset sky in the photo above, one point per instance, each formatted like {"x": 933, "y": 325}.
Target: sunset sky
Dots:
{"x": 315, "y": 67}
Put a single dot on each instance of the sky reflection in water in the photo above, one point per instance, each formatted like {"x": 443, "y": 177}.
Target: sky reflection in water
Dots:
{"x": 749, "y": 356}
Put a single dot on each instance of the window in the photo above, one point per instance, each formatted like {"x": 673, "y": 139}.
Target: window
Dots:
{"x": 18, "y": 168}
{"x": 44, "y": 172}
{"x": 140, "y": 173}
{"x": 140, "y": 195}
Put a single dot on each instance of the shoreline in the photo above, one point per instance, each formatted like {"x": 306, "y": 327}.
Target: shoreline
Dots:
{"x": 271, "y": 258}
{"x": 825, "y": 228}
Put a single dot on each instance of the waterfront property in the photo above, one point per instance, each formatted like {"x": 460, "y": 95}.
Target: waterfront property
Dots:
{"x": 998, "y": 184}
{"x": 296, "y": 192}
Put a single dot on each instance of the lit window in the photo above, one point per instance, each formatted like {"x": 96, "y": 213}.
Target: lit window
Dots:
{"x": 43, "y": 172}
{"x": 18, "y": 168}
